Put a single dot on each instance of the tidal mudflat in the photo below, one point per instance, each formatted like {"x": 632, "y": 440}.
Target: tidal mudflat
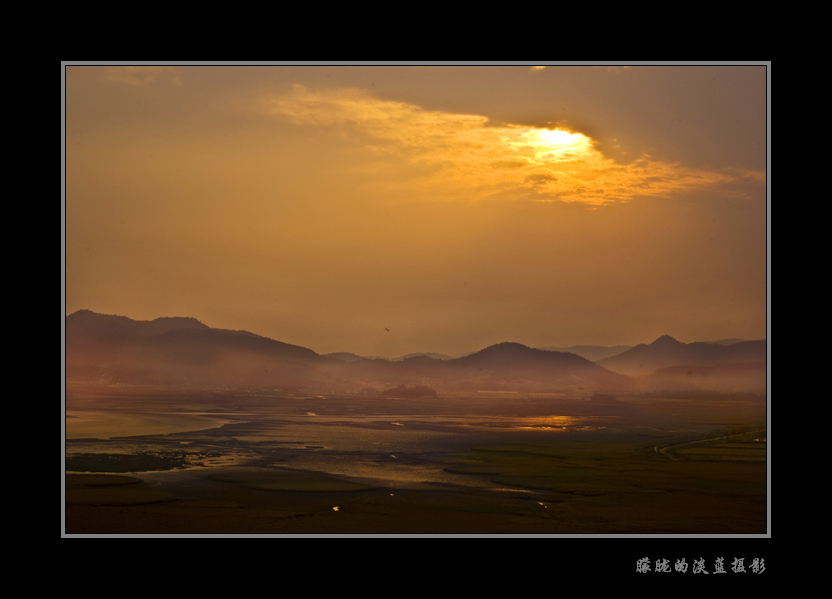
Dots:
{"x": 233, "y": 463}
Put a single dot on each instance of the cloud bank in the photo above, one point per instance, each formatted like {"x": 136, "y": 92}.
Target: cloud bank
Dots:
{"x": 465, "y": 156}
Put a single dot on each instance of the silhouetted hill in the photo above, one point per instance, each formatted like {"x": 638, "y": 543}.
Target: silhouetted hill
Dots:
{"x": 503, "y": 367}
{"x": 594, "y": 353}
{"x": 85, "y": 324}
{"x": 177, "y": 333}
{"x": 666, "y": 351}
{"x": 432, "y": 355}
{"x": 731, "y": 341}
{"x": 517, "y": 355}
{"x": 185, "y": 352}
{"x": 513, "y": 365}
{"x": 345, "y": 356}
{"x": 739, "y": 377}
{"x": 181, "y": 352}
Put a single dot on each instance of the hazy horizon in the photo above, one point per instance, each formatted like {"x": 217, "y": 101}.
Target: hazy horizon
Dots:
{"x": 465, "y": 353}
{"x": 388, "y": 210}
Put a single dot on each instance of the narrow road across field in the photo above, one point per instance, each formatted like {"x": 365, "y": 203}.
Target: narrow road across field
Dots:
{"x": 666, "y": 450}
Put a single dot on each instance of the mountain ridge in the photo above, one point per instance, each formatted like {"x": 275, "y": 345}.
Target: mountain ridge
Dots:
{"x": 665, "y": 351}
{"x": 185, "y": 351}
{"x": 182, "y": 351}
{"x": 592, "y": 352}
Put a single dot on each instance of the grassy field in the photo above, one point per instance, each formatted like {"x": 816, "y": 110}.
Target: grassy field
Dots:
{"x": 598, "y": 485}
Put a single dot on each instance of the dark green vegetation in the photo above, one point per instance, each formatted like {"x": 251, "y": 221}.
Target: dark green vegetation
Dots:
{"x": 112, "y": 462}
{"x": 506, "y": 464}
{"x": 617, "y": 485}
{"x": 110, "y": 490}
{"x": 290, "y": 481}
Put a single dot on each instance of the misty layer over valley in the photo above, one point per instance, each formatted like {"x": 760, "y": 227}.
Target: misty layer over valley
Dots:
{"x": 183, "y": 352}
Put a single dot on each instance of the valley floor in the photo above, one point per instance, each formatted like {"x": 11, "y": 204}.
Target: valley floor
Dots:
{"x": 227, "y": 464}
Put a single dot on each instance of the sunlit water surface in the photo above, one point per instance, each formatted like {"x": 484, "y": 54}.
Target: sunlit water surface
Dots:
{"x": 378, "y": 448}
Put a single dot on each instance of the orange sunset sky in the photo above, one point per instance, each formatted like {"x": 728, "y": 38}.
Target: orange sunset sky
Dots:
{"x": 391, "y": 209}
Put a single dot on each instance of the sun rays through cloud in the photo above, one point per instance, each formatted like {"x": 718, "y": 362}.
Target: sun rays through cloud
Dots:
{"x": 467, "y": 156}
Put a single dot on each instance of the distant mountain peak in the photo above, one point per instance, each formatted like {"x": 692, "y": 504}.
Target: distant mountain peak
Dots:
{"x": 85, "y": 322}
{"x": 506, "y": 348}
{"x": 666, "y": 351}
{"x": 508, "y": 345}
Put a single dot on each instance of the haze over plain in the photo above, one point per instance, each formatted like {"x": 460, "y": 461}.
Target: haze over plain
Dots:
{"x": 393, "y": 209}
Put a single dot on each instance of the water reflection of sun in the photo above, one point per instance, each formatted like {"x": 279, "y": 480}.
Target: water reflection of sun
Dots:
{"x": 551, "y": 422}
